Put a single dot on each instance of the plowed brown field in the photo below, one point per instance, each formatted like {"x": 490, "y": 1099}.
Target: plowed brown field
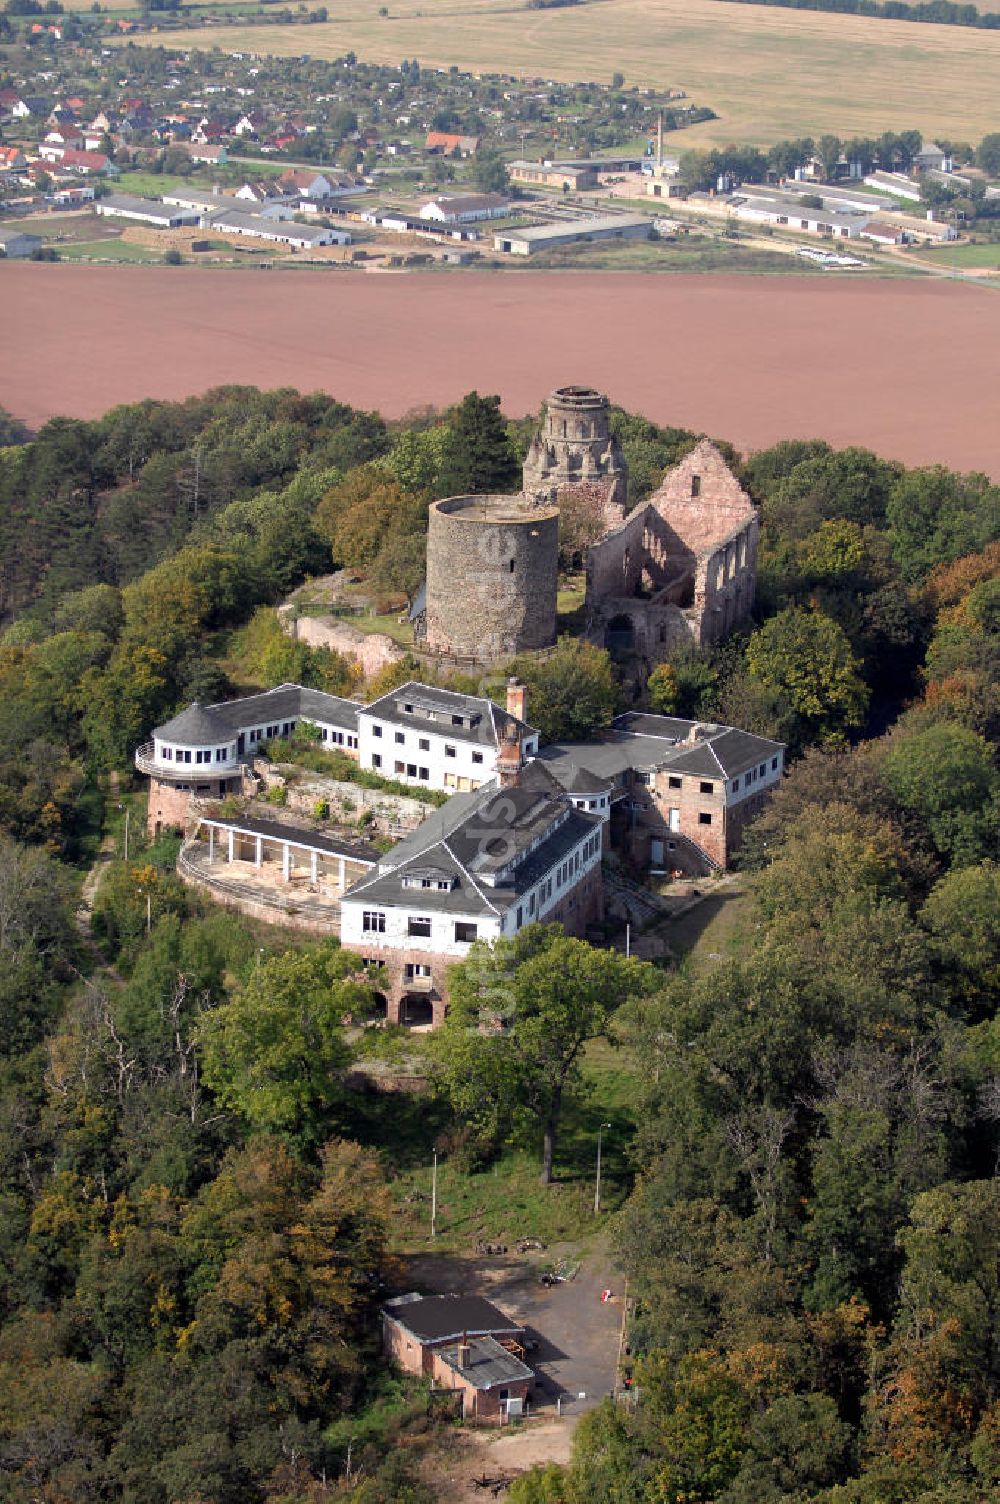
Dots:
{"x": 909, "y": 369}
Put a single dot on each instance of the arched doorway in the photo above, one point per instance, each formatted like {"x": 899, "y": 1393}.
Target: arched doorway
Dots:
{"x": 416, "y": 1011}
{"x": 619, "y": 635}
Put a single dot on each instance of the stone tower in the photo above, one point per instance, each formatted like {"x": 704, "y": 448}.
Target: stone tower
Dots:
{"x": 575, "y": 448}
{"x": 492, "y": 566}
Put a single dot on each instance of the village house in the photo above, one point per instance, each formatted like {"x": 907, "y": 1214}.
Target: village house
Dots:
{"x": 461, "y": 1343}
{"x": 444, "y": 143}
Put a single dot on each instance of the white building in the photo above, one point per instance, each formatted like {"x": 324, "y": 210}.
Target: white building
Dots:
{"x": 485, "y": 865}
{"x": 145, "y": 211}
{"x": 567, "y": 232}
{"x": 440, "y": 739}
{"x": 465, "y": 208}
{"x": 281, "y": 232}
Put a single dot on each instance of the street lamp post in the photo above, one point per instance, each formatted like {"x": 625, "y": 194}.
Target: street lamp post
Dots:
{"x": 597, "y": 1187}
{"x": 434, "y": 1196}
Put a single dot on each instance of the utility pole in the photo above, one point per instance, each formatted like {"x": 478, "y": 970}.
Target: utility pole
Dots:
{"x": 149, "y": 912}
{"x": 126, "y": 834}
{"x": 597, "y": 1187}
{"x": 434, "y": 1195}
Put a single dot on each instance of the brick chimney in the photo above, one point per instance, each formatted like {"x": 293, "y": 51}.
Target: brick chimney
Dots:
{"x": 517, "y": 699}
{"x": 510, "y": 759}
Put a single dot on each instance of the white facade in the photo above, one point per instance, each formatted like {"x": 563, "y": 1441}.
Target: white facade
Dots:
{"x": 431, "y": 753}
{"x": 763, "y": 775}
{"x": 407, "y": 924}
{"x": 370, "y": 927}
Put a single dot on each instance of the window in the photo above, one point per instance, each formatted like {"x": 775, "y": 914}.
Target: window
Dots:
{"x": 696, "y": 485}
{"x": 352, "y": 741}
{"x": 423, "y": 744}
{"x": 704, "y": 819}
{"x": 373, "y": 922}
{"x": 220, "y": 754}
{"x": 376, "y": 760}
{"x": 411, "y": 770}
{"x": 736, "y": 785}
{"x": 400, "y": 738}
{"x": 168, "y": 754}
{"x": 774, "y": 764}
{"x": 458, "y": 720}
{"x": 645, "y": 778}
{"x": 419, "y": 925}
{"x": 399, "y": 767}
{"x": 465, "y": 933}
{"x": 449, "y": 751}
{"x": 185, "y": 756}
{"x": 376, "y": 731}
{"x": 520, "y": 917}
{"x": 424, "y": 773}
{"x": 531, "y": 904}
{"x": 477, "y": 757}
{"x": 673, "y": 782}
{"x": 763, "y": 769}
{"x": 706, "y": 788}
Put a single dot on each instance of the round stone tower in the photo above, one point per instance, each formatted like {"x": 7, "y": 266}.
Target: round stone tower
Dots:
{"x": 575, "y": 447}
{"x": 492, "y": 564}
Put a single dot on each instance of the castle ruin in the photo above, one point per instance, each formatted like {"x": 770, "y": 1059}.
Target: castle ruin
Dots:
{"x": 682, "y": 567}
{"x": 492, "y": 573}
{"x": 679, "y": 568}
{"x": 575, "y": 448}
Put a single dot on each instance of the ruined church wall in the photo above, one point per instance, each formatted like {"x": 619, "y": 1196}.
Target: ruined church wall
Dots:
{"x": 615, "y": 565}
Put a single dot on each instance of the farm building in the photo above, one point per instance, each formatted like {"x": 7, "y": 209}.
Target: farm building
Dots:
{"x": 451, "y": 145}
{"x": 16, "y": 243}
{"x": 896, "y": 183}
{"x": 462, "y": 1343}
{"x": 145, "y": 211}
{"x": 601, "y": 227}
{"x": 793, "y": 216}
{"x": 282, "y": 232}
{"x": 553, "y": 175}
{"x": 465, "y": 208}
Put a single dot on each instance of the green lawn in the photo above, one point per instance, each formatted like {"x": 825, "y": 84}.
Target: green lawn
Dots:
{"x": 962, "y": 256}
{"x": 108, "y": 250}
{"x": 154, "y": 184}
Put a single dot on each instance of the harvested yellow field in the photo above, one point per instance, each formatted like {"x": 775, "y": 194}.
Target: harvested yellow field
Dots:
{"x": 768, "y": 73}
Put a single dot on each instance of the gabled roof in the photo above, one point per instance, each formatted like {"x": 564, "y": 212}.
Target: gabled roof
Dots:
{"x": 434, "y": 708}
{"x": 495, "y": 845}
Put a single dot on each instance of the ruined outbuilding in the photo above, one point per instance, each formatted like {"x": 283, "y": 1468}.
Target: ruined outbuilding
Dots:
{"x": 682, "y": 566}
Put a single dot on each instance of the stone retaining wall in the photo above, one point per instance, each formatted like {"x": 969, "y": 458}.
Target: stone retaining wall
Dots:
{"x": 372, "y": 650}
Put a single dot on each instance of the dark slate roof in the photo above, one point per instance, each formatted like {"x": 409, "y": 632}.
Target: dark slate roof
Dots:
{"x": 476, "y": 844}
{"x": 638, "y": 723}
{"x": 486, "y": 1363}
{"x": 197, "y": 726}
{"x": 300, "y": 835}
{"x": 433, "y": 708}
{"x": 649, "y": 742}
{"x": 202, "y": 725}
{"x": 435, "y": 1318}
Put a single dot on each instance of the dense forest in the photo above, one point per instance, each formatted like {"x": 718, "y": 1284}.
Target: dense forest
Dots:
{"x": 196, "y": 1193}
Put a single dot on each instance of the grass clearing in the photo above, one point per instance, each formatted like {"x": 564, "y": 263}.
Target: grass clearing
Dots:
{"x": 506, "y": 1200}
{"x": 965, "y": 257}
{"x": 712, "y": 930}
{"x": 769, "y": 73}
{"x": 109, "y": 250}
